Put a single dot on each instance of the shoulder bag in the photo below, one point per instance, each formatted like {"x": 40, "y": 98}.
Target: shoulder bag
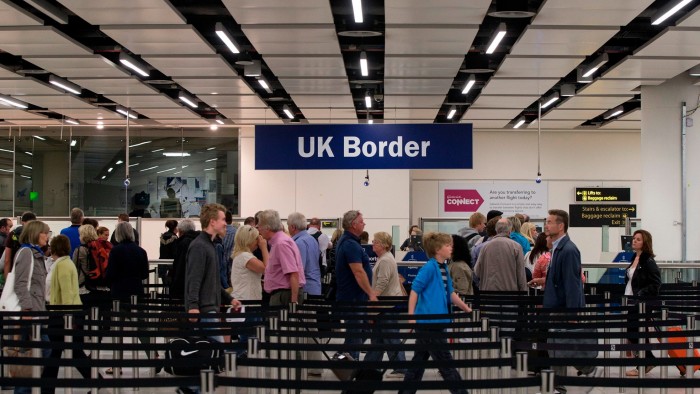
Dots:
{"x": 9, "y": 302}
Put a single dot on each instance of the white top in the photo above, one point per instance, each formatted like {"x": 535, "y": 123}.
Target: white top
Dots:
{"x": 628, "y": 289}
{"x": 246, "y": 283}
{"x": 323, "y": 242}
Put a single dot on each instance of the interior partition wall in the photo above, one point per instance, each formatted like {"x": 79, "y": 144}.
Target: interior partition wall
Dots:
{"x": 171, "y": 172}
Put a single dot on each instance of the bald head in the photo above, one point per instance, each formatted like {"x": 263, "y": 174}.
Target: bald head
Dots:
{"x": 503, "y": 226}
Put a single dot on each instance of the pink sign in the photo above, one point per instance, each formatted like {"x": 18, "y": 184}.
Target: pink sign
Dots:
{"x": 462, "y": 200}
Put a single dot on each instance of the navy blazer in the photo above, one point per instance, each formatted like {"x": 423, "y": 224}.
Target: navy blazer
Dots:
{"x": 563, "y": 287}
{"x": 646, "y": 279}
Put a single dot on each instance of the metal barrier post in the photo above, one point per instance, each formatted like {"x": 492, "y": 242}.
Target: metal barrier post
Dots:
{"x": 493, "y": 353}
{"x": 521, "y": 368}
{"x": 116, "y": 354}
{"x": 95, "y": 353}
{"x": 547, "y": 385}
{"x": 206, "y": 381}
{"x": 679, "y": 276}
{"x": 690, "y": 369}
{"x": 230, "y": 370}
{"x": 153, "y": 354}
{"x": 642, "y": 308}
{"x": 606, "y": 330}
{"x": 68, "y": 338}
{"x": 506, "y": 352}
{"x": 253, "y": 353}
{"x": 664, "y": 352}
{"x": 275, "y": 339}
{"x": 36, "y": 353}
{"x": 260, "y": 334}
{"x": 134, "y": 353}
{"x": 480, "y": 372}
{"x": 623, "y": 302}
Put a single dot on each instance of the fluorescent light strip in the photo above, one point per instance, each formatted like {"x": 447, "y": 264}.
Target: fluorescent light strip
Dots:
{"x": 134, "y": 165}
{"x": 65, "y": 85}
{"x": 264, "y": 85}
{"x": 6, "y": 150}
{"x": 357, "y": 11}
{"x": 212, "y": 148}
{"x": 595, "y": 65}
{"x": 219, "y": 121}
{"x": 26, "y": 166}
{"x": 549, "y": 102}
{"x": 161, "y": 171}
{"x": 176, "y": 154}
{"x": 126, "y": 112}
{"x": 110, "y": 169}
{"x": 452, "y": 113}
{"x": 364, "y": 65}
{"x": 157, "y": 150}
{"x": 288, "y": 112}
{"x": 104, "y": 176}
{"x": 368, "y": 101}
{"x": 7, "y": 100}
{"x": 209, "y": 169}
{"x": 24, "y": 176}
{"x": 519, "y": 123}
{"x": 120, "y": 162}
{"x": 214, "y": 159}
{"x": 470, "y": 83}
{"x": 3, "y": 170}
{"x": 189, "y": 100}
{"x": 29, "y": 153}
{"x": 132, "y": 64}
{"x": 140, "y": 143}
{"x": 614, "y": 114}
{"x": 149, "y": 168}
{"x": 224, "y": 35}
{"x": 670, "y": 12}
{"x": 72, "y": 121}
{"x": 500, "y": 33}
{"x": 39, "y": 138}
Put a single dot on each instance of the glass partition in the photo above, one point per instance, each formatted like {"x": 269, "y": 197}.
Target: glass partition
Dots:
{"x": 443, "y": 225}
{"x": 172, "y": 172}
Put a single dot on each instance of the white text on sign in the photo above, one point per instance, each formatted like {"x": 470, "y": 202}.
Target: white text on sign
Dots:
{"x": 354, "y": 147}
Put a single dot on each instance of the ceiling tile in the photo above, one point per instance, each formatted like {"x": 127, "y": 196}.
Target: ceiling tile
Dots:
{"x": 144, "y": 101}
{"x": 417, "y": 66}
{"x": 315, "y": 86}
{"x": 56, "y": 103}
{"x": 12, "y": 15}
{"x": 167, "y": 113}
{"x": 504, "y": 86}
{"x": 233, "y": 100}
{"x": 654, "y": 68}
{"x": 594, "y": 102}
{"x": 128, "y": 85}
{"x": 21, "y": 87}
{"x": 240, "y": 113}
{"x": 306, "y": 66}
{"x": 191, "y": 65}
{"x": 616, "y": 86}
{"x": 589, "y": 12}
{"x": 248, "y": 12}
{"x": 429, "y": 40}
{"x": 15, "y": 114}
{"x": 413, "y": 101}
{"x": 490, "y": 113}
{"x": 552, "y": 124}
{"x": 412, "y": 113}
{"x": 394, "y": 86}
{"x": 562, "y": 41}
{"x": 537, "y": 67}
{"x": 39, "y": 40}
{"x": 571, "y": 114}
{"x": 323, "y": 101}
{"x": 324, "y": 113}
{"x": 132, "y": 12}
{"x": 292, "y": 40}
{"x": 504, "y": 101}
{"x": 206, "y": 85}
{"x": 623, "y": 125}
{"x": 457, "y": 12}
{"x": 676, "y": 41}
{"x": 87, "y": 66}
{"x": 478, "y": 124}
{"x": 159, "y": 39}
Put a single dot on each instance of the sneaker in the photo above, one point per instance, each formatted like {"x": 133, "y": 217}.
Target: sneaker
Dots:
{"x": 395, "y": 375}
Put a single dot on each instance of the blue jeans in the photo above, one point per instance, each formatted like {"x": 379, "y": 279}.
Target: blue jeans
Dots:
{"x": 353, "y": 341}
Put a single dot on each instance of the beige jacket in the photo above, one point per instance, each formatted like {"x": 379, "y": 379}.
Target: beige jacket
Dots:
{"x": 385, "y": 276}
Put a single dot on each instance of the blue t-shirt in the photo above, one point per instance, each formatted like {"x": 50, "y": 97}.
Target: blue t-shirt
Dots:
{"x": 349, "y": 251}
{"x": 73, "y": 235}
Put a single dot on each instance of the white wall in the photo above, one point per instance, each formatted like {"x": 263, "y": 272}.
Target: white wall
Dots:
{"x": 324, "y": 193}
{"x": 568, "y": 160}
{"x": 661, "y": 167}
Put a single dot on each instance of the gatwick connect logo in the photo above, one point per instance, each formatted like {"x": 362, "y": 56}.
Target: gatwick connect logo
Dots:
{"x": 462, "y": 200}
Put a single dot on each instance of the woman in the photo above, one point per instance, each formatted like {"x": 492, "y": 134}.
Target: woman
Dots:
{"x": 540, "y": 248}
{"x": 413, "y": 230}
{"x": 386, "y": 283}
{"x": 642, "y": 279}
{"x": 103, "y": 233}
{"x": 460, "y": 271}
{"x": 529, "y": 231}
{"x": 539, "y": 274}
{"x": 64, "y": 291}
{"x": 246, "y": 269}
{"x": 30, "y": 275}
{"x": 167, "y": 240}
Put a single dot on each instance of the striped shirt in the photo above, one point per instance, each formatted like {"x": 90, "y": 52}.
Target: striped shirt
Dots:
{"x": 443, "y": 273}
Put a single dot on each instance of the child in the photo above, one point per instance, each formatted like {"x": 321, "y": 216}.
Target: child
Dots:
{"x": 431, "y": 293}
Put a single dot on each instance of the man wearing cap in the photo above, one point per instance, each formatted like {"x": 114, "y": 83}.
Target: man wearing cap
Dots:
{"x": 492, "y": 214}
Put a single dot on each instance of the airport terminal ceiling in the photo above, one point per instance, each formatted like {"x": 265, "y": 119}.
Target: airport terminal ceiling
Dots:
{"x": 244, "y": 62}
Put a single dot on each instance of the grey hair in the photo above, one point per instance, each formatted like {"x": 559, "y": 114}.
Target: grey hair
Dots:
{"x": 270, "y": 219}
{"x": 349, "y": 217}
{"x": 504, "y": 226}
{"x": 123, "y": 232}
{"x": 297, "y": 220}
{"x": 185, "y": 225}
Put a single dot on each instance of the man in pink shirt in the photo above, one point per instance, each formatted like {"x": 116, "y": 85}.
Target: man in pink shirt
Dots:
{"x": 284, "y": 273}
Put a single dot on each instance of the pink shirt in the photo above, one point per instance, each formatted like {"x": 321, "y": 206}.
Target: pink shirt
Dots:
{"x": 284, "y": 259}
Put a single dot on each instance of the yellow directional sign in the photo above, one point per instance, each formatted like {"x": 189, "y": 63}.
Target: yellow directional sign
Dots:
{"x": 597, "y": 215}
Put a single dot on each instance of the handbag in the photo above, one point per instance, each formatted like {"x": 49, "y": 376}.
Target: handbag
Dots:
{"x": 9, "y": 302}
{"x": 19, "y": 371}
{"x": 189, "y": 349}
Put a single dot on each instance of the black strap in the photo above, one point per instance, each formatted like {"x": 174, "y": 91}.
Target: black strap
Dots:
{"x": 470, "y": 236}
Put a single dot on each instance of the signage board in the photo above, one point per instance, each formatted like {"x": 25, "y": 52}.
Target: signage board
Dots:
{"x": 460, "y": 199}
{"x": 603, "y": 194}
{"x": 597, "y": 215}
{"x": 363, "y": 146}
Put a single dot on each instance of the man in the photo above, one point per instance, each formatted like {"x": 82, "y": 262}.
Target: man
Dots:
{"x": 490, "y": 215}
{"x": 490, "y": 230}
{"x": 352, "y": 270}
{"x": 284, "y": 273}
{"x": 324, "y": 242}
{"x": 12, "y": 244}
{"x": 501, "y": 266}
{"x": 309, "y": 251}
{"x": 122, "y": 217}
{"x": 477, "y": 224}
{"x": 76, "y": 220}
{"x": 203, "y": 292}
{"x": 563, "y": 286}
{"x": 227, "y": 244}
{"x": 5, "y": 228}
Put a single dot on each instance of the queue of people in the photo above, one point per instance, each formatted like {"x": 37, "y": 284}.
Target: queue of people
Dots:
{"x": 494, "y": 254}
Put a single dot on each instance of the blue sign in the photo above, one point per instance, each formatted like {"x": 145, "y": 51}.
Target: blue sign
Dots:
{"x": 363, "y": 146}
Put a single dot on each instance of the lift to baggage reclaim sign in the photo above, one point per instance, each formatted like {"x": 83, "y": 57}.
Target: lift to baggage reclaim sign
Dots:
{"x": 365, "y": 146}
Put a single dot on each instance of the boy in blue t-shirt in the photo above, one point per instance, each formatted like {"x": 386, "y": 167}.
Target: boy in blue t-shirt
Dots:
{"x": 432, "y": 293}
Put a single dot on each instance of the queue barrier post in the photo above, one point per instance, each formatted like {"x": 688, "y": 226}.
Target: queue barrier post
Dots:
{"x": 606, "y": 330}
{"x": 493, "y": 353}
{"x": 690, "y": 368}
{"x": 134, "y": 353}
{"x": 664, "y": 352}
{"x": 206, "y": 381}
{"x": 259, "y": 353}
{"x": 274, "y": 339}
{"x": 480, "y": 372}
{"x": 68, "y": 338}
{"x": 521, "y": 368}
{"x": 94, "y": 354}
{"x": 230, "y": 370}
{"x": 547, "y": 385}
{"x": 117, "y": 339}
{"x": 252, "y": 354}
{"x": 506, "y": 352}
{"x": 36, "y": 353}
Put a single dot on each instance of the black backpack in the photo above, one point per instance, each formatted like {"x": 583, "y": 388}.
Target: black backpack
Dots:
{"x": 316, "y": 236}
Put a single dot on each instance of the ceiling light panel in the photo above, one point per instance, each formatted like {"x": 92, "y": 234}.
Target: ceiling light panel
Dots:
{"x": 302, "y": 66}
{"x": 570, "y": 114}
{"x": 428, "y": 40}
{"x": 39, "y": 40}
{"x": 233, "y": 101}
{"x": 505, "y": 86}
{"x": 167, "y": 113}
{"x": 558, "y": 41}
{"x": 191, "y": 65}
{"x": 615, "y": 86}
{"x": 57, "y": 102}
{"x": 144, "y": 101}
{"x": 414, "y": 101}
{"x": 494, "y": 114}
{"x": 90, "y": 66}
{"x": 674, "y": 42}
{"x": 594, "y": 102}
{"x": 650, "y": 68}
{"x": 160, "y": 39}
{"x": 416, "y": 86}
{"x": 421, "y": 66}
{"x": 21, "y": 87}
{"x": 316, "y": 86}
{"x": 136, "y": 12}
{"x": 454, "y": 12}
{"x": 125, "y": 86}
{"x": 248, "y": 12}
{"x": 16, "y": 16}
{"x": 583, "y": 13}
{"x": 504, "y": 101}
{"x": 330, "y": 101}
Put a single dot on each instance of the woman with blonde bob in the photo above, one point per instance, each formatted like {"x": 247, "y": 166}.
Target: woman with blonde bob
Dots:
{"x": 246, "y": 269}
{"x": 80, "y": 255}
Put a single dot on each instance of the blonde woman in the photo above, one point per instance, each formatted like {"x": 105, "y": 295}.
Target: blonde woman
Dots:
{"x": 80, "y": 255}
{"x": 247, "y": 270}
{"x": 529, "y": 231}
